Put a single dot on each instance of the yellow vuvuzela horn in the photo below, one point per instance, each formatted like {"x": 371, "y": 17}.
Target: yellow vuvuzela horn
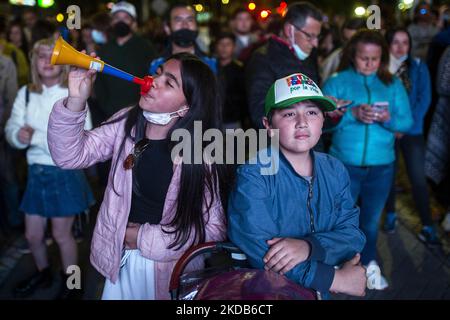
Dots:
{"x": 64, "y": 54}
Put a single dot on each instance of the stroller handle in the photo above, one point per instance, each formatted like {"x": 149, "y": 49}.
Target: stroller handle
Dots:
{"x": 190, "y": 254}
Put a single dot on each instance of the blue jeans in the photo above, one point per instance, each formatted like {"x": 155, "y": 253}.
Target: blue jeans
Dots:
{"x": 371, "y": 186}
{"x": 413, "y": 149}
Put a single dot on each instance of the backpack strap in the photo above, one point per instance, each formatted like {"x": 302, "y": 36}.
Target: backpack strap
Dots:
{"x": 27, "y": 96}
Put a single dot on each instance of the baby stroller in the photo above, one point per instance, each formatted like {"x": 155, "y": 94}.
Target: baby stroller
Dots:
{"x": 229, "y": 277}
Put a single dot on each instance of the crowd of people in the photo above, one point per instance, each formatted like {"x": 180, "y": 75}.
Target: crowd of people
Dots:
{"x": 344, "y": 101}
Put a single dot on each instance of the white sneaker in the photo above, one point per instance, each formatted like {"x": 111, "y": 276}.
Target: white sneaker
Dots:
{"x": 446, "y": 223}
{"x": 375, "y": 279}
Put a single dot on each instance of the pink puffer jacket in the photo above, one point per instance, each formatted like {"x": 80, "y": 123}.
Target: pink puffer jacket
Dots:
{"x": 72, "y": 147}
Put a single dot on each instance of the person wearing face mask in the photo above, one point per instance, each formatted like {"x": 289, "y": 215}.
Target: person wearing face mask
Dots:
{"x": 415, "y": 77}
{"x": 101, "y": 28}
{"x": 292, "y": 52}
{"x": 158, "y": 203}
{"x": 124, "y": 50}
{"x": 182, "y": 31}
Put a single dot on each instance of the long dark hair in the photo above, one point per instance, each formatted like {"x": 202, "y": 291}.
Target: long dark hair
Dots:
{"x": 367, "y": 37}
{"x": 390, "y": 34}
{"x": 202, "y": 96}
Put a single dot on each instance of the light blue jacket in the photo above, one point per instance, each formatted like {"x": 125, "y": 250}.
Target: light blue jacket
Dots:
{"x": 356, "y": 143}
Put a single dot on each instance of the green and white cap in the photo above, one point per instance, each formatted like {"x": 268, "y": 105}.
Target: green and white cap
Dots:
{"x": 296, "y": 88}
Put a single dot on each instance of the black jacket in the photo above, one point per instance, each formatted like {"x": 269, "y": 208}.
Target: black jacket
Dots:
{"x": 113, "y": 93}
{"x": 273, "y": 61}
{"x": 231, "y": 82}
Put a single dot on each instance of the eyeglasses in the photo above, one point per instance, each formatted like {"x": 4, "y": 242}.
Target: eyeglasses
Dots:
{"x": 309, "y": 37}
{"x": 139, "y": 147}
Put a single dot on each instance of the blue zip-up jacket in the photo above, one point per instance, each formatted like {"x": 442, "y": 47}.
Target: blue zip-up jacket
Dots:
{"x": 286, "y": 205}
{"x": 359, "y": 144}
{"x": 419, "y": 94}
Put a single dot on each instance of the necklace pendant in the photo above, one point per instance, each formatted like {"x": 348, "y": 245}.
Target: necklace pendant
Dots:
{"x": 129, "y": 162}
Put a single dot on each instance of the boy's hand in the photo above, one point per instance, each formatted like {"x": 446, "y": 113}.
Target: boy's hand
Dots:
{"x": 131, "y": 235}
{"x": 285, "y": 253}
{"x": 25, "y": 134}
{"x": 351, "y": 278}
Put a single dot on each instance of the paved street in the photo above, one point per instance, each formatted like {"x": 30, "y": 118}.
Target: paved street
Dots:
{"x": 412, "y": 270}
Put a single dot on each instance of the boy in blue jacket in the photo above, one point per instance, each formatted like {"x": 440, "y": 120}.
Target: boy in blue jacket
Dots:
{"x": 300, "y": 221}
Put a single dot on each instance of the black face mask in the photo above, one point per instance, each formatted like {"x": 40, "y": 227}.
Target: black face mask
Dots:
{"x": 121, "y": 29}
{"x": 184, "y": 37}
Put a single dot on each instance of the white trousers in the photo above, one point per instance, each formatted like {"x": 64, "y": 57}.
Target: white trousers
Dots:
{"x": 136, "y": 279}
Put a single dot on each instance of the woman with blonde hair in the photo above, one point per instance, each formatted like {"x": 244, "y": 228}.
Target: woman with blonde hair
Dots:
{"x": 51, "y": 192}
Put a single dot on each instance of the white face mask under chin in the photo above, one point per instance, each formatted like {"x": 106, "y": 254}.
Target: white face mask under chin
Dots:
{"x": 302, "y": 55}
{"x": 161, "y": 118}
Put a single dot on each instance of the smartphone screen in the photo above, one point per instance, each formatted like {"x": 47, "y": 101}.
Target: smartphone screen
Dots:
{"x": 380, "y": 106}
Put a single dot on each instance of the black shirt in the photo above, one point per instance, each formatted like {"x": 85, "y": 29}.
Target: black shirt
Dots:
{"x": 233, "y": 90}
{"x": 154, "y": 171}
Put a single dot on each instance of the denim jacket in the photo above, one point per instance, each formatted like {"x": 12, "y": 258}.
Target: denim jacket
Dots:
{"x": 285, "y": 204}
